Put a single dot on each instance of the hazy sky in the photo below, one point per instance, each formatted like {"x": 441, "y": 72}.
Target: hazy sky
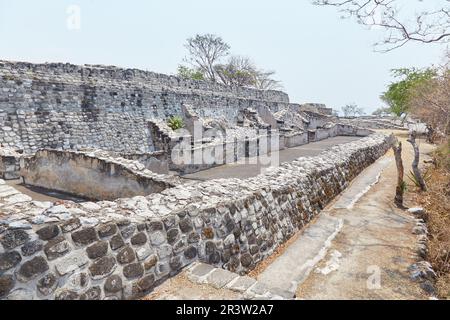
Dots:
{"x": 317, "y": 56}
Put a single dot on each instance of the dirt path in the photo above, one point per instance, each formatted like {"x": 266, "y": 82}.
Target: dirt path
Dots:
{"x": 368, "y": 257}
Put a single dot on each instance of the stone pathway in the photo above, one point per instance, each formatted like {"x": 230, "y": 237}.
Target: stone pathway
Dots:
{"x": 202, "y": 281}
{"x": 360, "y": 247}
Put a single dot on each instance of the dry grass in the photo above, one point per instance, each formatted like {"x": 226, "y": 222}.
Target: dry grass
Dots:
{"x": 436, "y": 201}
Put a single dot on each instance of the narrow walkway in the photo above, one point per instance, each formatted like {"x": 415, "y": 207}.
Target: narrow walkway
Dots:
{"x": 249, "y": 167}
{"x": 360, "y": 247}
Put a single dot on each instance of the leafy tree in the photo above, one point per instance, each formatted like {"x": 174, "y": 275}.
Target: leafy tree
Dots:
{"x": 399, "y": 94}
{"x": 189, "y": 73}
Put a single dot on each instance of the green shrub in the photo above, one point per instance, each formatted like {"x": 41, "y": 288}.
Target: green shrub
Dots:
{"x": 175, "y": 123}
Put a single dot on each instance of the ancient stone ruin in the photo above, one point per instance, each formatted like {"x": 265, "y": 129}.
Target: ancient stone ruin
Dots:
{"x": 101, "y": 134}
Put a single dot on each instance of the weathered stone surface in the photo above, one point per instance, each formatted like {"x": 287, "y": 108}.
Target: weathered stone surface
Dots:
{"x": 143, "y": 252}
{"x": 144, "y": 285}
{"x": 128, "y": 231}
{"x": 9, "y": 260}
{"x": 150, "y": 262}
{"x": 133, "y": 270}
{"x": 94, "y": 293}
{"x": 78, "y": 281}
{"x": 6, "y": 285}
{"x": 157, "y": 238}
{"x": 219, "y": 278}
{"x": 64, "y": 294}
{"x": 190, "y": 252}
{"x": 85, "y": 236}
{"x": 208, "y": 233}
{"x": 71, "y": 262}
{"x": 48, "y": 232}
{"x": 21, "y": 294}
{"x": 126, "y": 255}
{"x": 32, "y": 268}
{"x": 246, "y": 260}
{"x": 70, "y": 225}
{"x": 186, "y": 225}
{"x": 13, "y": 238}
{"x": 175, "y": 263}
{"x": 103, "y": 267}
{"x": 241, "y": 284}
{"x": 173, "y": 235}
{"x": 107, "y": 230}
{"x": 56, "y": 248}
{"x": 155, "y": 226}
{"x": 193, "y": 237}
{"x": 47, "y": 284}
{"x": 113, "y": 284}
{"x": 97, "y": 250}
{"x": 139, "y": 239}
{"x": 31, "y": 247}
{"x": 116, "y": 242}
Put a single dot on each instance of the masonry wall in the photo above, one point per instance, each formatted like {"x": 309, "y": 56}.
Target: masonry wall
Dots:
{"x": 72, "y": 107}
{"x": 121, "y": 249}
{"x": 91, "y": 177}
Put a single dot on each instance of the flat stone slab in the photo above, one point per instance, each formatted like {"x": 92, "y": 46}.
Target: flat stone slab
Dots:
{"x": 295, "y": 264}
{"x": 220, "y": 277}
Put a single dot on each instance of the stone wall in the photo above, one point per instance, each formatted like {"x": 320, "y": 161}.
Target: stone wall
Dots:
{"x": 121, "y": 249}
{"x": 9, "y": 164}
{"x": 64, "y": 106}
{"x": 91, "y": 175}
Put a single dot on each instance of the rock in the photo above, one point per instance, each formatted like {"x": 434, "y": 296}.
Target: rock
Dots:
{"x": 134, "y": 270}
{"x": 150, "y": 262}
{"x": 78, "y": 281}
{"x": 31, "y": 247}
{"x": 64, "y": 294}
{"x": 185, "y": 225}
{"x": 190, "y": 253}
{"x": 70, "y": 225}
{"x": 246, "y": 260}
{"x": 14, "y": 238}
{"x": 6, "y": 285}
{"x": 175, "y": 263}
{"x": 143, "y": 252}
{"x": 102, "y": 267}
{"x": 229, "y": 241}
{"x": 139, "y": 239}
{"x": 126, "y": 255}
{"x": 116, "y": 242}
{"x": 193, "y": 237}
{"x": 94, "y": 293}
{"x": 208, "y": 233}
{"x": 21, "y": 294}
{"x": 9, "y": 260}
{"x": 128, "y": 231}
{"x": 155, "y": 226}
{"x": 97, "y": 250}
{"x": 47, "y": 284}
{"x": 32, "y": 268}
{"x": 48, "y": 232}
{"x": 107, "y": 230}
{"x": 157, "y": 238}
{"x": 144, "y": 285}
{"x": 85, "y": 236}
{"x": 113, "y": 284}
{"x": 164, "y": 251}
{"x": 56, "y": 248}
{"x": 21, "y": 224}
{"x": 173, "y": 235}
{"x": 71, "y": 262}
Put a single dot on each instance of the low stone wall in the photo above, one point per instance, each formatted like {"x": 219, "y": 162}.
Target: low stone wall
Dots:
{"x": 121, "y": 249}
{"x": 9, "y": 164}
{"x": 91, "y": 175}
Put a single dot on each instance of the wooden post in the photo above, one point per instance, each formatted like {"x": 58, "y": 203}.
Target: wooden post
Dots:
{"x": 400, "y": 172}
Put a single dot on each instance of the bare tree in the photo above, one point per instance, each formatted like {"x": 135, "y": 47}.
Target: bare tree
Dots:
{"x": 204, "y": 52}
{"x": 429, "y": 25}
{"x": 264, "y": 81}
{"x": 352, "y": 110}
{"x": 415, "y": 164}
{"x": 239, "y": 71}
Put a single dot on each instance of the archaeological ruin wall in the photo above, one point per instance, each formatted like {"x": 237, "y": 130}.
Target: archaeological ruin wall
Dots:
{"x": 64, "y": 106}
{"x": 121, "y": 249}
{"x": 96, "y": 176}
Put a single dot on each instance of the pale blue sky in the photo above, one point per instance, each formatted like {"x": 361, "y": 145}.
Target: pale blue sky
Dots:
{"x": 317, "y": 56}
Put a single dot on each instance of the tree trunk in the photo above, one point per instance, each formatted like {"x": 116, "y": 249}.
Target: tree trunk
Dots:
{"x": 400, "y": 172}
{"x": 415, "y": 164}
